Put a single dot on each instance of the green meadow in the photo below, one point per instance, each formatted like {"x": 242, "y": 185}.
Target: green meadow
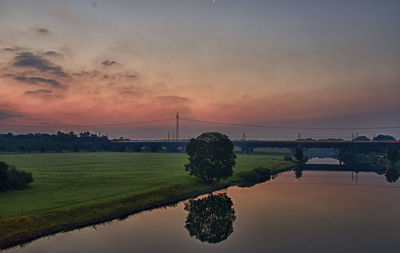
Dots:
{"x": 82, "y": 186}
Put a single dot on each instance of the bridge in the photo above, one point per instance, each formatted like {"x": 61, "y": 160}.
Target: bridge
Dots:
{"x": 247, "y": 146}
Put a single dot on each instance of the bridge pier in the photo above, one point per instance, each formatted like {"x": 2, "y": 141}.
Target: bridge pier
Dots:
{"x": 183, "y": 149}
{"x": 172, "y": 149}
{"x": 247, "y": 149}
{"x": 137, "y": 148}
{"x": 155, "y": 148}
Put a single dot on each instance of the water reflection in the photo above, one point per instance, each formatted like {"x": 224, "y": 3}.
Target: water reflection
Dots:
{"x": 392, "y": 175}
{"x": 331, "y": 213}
{"x": 210, "y": 219}
{"x": 298, "y": 173}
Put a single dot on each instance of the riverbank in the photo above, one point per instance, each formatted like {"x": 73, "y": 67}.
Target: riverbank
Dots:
{"x": 35, "y": 224}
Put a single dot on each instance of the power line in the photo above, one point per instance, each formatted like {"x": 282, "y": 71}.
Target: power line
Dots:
{"x": 92, "y": 125}
{"x": 208, "y": 122}
{"x": 287, "y": 127}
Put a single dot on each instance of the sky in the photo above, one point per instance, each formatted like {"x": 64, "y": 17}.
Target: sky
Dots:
{"x": 96, "y": 65}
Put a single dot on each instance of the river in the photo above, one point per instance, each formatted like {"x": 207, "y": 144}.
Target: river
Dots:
{"x": 320, "y": 211}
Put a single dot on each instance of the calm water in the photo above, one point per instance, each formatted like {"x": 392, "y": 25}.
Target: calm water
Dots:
{"x": 320, "y": 212}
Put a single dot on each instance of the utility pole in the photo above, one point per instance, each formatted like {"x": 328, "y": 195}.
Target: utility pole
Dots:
{"x": 169, "y": 135}
{"x": 244, "y": 136}
{"x": 177, "y": 126}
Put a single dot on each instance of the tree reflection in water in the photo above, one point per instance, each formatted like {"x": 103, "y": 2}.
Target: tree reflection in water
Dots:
{"x": 210, "y": 219}
{"x": 392, "y": 175}
{"x": 298, "y": 173}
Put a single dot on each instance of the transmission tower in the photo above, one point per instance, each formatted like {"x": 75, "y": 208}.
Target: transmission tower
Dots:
{"x": 177, "y": 126}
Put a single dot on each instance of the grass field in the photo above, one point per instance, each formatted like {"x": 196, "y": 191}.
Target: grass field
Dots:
{"x": 94, "y": 181}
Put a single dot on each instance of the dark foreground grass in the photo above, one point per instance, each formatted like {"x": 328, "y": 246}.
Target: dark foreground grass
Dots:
{"x": 76, "y": 188}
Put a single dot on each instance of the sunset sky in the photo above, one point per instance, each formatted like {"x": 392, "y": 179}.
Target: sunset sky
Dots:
{"x": 68, "y": 65}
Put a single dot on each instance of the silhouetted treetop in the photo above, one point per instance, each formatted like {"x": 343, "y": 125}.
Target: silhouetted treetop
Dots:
{"x": 383, "y": 137}
{"x": 362, "y": 138}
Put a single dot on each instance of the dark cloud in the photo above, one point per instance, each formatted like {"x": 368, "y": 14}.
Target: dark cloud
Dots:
{"x": 27, "y": 59}
{"x": 39, "y": 80}
{"x": 120, "y": 77}
{"x": 53, "y": 54}
{"x": 38, "y": 92}
{"x": 42, "y": 31}
{"x": 7, "y": 114}
{"x": 112, "y": 77}
{"x": 108, "y": 62}
{"x": 90, "y": 74}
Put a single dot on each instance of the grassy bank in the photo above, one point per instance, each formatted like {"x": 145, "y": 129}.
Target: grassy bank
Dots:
{"x": 75, "y": 188}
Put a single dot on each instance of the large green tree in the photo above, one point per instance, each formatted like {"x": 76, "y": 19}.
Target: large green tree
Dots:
{"x": 211, "y": 157}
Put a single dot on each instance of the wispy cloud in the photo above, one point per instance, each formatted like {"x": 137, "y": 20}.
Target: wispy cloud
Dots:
{"x": 53, "y": 54}
{"x": 38, "y": 92}
{"x": 39, "y": 80}
{"x": 30, "y": 60}
{"x": 42, "y": 31}
{"x": 174, "y": 99}
{"x": 108, "y": 63}
{"x": 13, "y": 49}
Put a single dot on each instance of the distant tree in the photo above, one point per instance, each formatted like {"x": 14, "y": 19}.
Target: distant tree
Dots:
{"x": 299, "y": 155}
{"x": 393, "y": 155}
{"x": 210, "y": 219}
{"x": 392, "y": 175}
{"x": 362, "y": 138}
{"x": 211, "y": 156}
{"x": 55, "y": 142}
{"x": 345, "y": 156}
{"x": 383, "y": 137}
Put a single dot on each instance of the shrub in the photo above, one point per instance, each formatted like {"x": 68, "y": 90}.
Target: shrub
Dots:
{"x": 249, "y": 176}
{"x": 19, "y": 179}
{"x": 256, "y": 175}
{"x": 262, "y": 172}
{"x": 288, "y": 158}
{"x": 11, "y": 178}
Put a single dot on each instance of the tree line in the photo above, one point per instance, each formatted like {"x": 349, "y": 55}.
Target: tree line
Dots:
{"x": 59, "y": 142}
